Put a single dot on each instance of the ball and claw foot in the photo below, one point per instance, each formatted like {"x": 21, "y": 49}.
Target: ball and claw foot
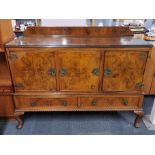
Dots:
{"x": 136, "y": 124}
{"x": 20, "y": 122}
{"x": 138, "y": 119}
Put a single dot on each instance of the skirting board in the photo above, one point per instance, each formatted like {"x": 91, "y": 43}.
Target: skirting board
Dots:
{"x": 147, "y": 122}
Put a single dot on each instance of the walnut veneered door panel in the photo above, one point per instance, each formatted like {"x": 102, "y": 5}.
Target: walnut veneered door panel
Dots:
{"x": 36, "y": 103}
{"x": 124, "y": 70}
{"x": 79, "y": 69}
{"x": 110, "y": 102}
{"x": 33, "y": 69}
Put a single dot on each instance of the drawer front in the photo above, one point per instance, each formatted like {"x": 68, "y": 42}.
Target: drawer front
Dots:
{"x": 110, "y": 102}
{"x": 45, "y": 103}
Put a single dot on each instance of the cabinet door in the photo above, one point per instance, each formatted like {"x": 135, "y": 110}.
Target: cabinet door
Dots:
{"x": 33, "y": 69}
{"x": 123, "y": 70}
{"x": 79, "y": 69}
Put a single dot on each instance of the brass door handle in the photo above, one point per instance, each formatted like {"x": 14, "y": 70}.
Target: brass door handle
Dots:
{"x": 125, "y": 101}
{"x": 95, "y": 71}
{"x": 63, "y": 72}
{"x": 65, "y": 103}
{"x": 51, "y": 72}
{"x": 93, "y": 102}
{"x": 107, "y": 72}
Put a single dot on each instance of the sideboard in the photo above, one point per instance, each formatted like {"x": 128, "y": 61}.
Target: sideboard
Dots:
{"x": 78, "y": 69}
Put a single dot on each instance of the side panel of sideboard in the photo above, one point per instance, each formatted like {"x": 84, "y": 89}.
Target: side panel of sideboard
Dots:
{"x": 152, "y": 90}
{"x": 149, "y": 85}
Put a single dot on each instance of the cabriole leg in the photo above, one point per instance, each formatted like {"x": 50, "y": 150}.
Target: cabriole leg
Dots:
{"x": 138, "y": 119}
{"x": 19, "y": 121}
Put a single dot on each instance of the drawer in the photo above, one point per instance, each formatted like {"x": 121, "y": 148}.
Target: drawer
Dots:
{"x": 45, "y": 103}
{"x": 110, "y": 102}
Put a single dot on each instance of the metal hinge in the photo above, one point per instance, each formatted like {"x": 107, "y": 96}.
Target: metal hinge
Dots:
{"x": 144, "y": 55}
{"x": 139, "y": 85}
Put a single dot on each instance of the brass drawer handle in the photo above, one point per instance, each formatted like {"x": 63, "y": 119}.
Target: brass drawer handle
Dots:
{"x": 33, "y": 103}
{"x": 93, "y": 103}
{"x": 107, "y": 72}
{"x": 65, "y": 103}
{"x": 95, "y": 71}
{"x": 63, "y": 72}
{"x": 51, "y": 71}
{"x": 125, "y": 101}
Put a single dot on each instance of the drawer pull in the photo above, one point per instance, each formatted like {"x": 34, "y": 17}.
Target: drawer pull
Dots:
{"x": 63, "y": 72}
{"x": 51, "y": 71}
{"x": 125, "y": 101}
{"x": 93, "y": 103}
{"x": 65, "y": 103}
{"x": 95, "y": 71}
{"x": 33, "y": 104}
{"x": 107, "y": 72}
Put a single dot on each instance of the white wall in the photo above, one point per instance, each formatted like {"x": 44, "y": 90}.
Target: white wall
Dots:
{"x": 63, "y": 22}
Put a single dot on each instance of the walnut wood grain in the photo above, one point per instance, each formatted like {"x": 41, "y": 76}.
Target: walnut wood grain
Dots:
{"x": 70, "y": 103}
{"x": 76, "y": 85}
{"x": 152, "y": 90}
{"x": 126, "y": 70}
{"x": 80, "y": 65}
{"x": 80, "y": 31}
{"x": 110, "y": 102}
{"x": 150, "y": 73}
{"x": 45, "y": 102}
{"x": 30, "y": 70}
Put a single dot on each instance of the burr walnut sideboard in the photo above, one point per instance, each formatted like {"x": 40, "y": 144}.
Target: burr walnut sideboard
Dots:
{"x": 69, "y": 70}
